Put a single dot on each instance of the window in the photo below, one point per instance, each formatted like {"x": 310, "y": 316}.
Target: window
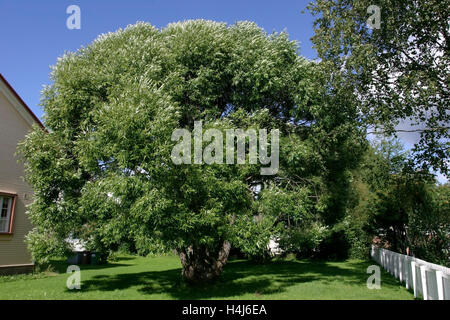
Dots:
{"x": 6, "y": 212}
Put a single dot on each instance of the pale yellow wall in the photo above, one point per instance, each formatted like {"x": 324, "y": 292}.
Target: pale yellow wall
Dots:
{"x": 13, "y": 128}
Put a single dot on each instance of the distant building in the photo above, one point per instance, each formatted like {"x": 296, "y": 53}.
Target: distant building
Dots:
{"x": 16, "y": 120}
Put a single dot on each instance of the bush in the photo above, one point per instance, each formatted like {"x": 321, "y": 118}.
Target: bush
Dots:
{"x": 44, "y": 246}
{"x": 429, "y": 225}
{"x": 303, "y": 241}
{"x": 252, "y": 237}
{"x": 335, "y": 245}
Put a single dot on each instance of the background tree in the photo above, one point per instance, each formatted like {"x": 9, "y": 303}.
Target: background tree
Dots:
{"x": 399, "y": 71}
{"x": 401, "y": 208}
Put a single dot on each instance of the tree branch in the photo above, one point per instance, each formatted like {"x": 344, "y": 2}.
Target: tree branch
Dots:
{"x": 414, "y": 130}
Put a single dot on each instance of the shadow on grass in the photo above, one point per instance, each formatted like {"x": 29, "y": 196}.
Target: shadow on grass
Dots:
{"x": 60, "y": 265}
{"x": 238, "y": 278}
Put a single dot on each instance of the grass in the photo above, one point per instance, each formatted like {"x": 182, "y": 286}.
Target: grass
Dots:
{"x": 159, "y": 277}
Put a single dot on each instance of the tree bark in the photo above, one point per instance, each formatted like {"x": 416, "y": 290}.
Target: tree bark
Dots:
{"x": 201, "y": 265}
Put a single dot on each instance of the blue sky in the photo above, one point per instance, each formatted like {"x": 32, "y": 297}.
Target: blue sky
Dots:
{"x": 33, "y": 34}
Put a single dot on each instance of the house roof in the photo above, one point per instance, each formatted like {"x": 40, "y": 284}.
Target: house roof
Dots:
{"x": 21, "y": 102}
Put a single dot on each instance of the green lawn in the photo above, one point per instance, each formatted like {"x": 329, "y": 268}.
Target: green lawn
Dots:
{"x": 159, "y": 278}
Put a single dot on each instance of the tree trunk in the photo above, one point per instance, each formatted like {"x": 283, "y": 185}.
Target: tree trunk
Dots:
{"x": 202, "y": 265}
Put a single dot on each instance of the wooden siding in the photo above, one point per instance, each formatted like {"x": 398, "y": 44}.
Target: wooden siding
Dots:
{"x": 13, "y": 128}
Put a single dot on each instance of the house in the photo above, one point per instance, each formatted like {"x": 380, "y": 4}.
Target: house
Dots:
{"x": 16, "y": 120}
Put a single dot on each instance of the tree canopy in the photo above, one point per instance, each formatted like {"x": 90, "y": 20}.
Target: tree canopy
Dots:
{"x": 397, "y": 71}
{"x": 103, "y": 172}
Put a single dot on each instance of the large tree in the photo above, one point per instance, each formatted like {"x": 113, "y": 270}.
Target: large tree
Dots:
{"x": 103, "y": 172}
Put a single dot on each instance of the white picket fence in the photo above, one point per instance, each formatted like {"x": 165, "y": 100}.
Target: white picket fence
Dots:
{"x": 431, "y": 281}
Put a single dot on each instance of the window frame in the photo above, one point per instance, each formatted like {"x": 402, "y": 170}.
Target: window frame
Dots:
{"x": 11, "y": 215}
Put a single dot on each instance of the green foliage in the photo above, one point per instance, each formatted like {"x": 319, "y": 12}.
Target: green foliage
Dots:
{"x": 252, "y": 236}
{"x": 429, "y": 224}
{"x": 103, "y": 171}
{"x": 303, "y": 240}
{"x": 44, "y": 246}
{"x": 358, "y": 239}
{"x": 399, "y": 71}
{"x": 411, "y": 213}
{"x": 401, "y": 208}
{"x": 295, "y": 211}
{"x": 151, "y": 246}
{"x": 357, "y": 220}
